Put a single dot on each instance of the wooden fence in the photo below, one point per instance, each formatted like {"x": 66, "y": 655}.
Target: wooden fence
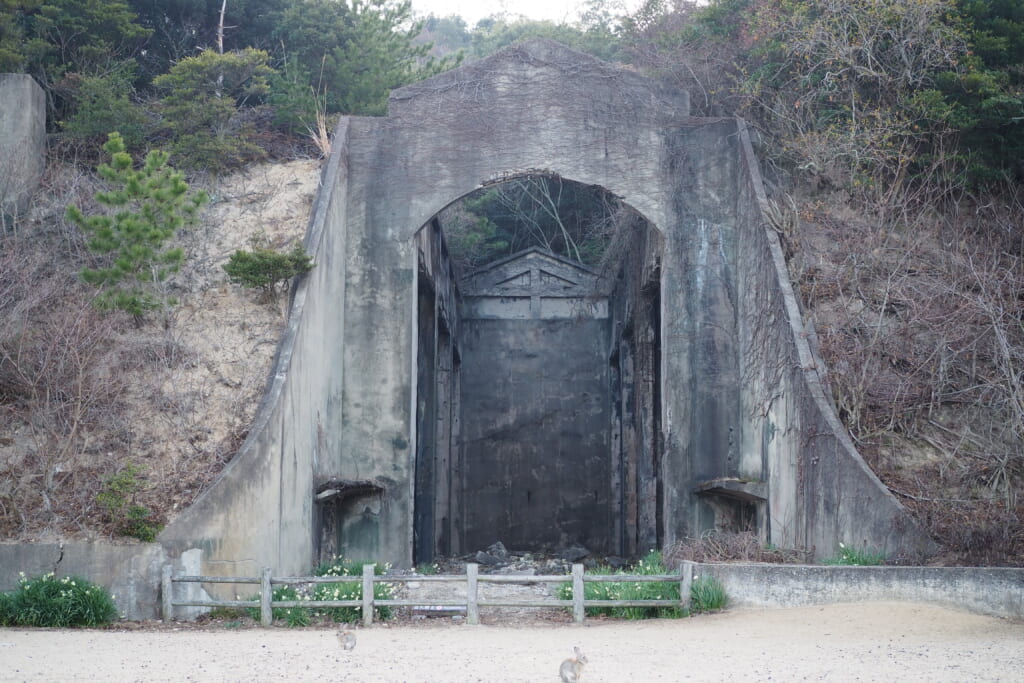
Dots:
{"x": 472, "y": 603}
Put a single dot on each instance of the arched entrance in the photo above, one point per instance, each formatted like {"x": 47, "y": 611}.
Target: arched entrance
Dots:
{"x": 538, "y": 377}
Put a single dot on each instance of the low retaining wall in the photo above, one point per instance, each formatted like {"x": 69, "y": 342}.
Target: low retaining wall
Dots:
{"x": 994, "y": 591}
{"x": 131, "y": 572}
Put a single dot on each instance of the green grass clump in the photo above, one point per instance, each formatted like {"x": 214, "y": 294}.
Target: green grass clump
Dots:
{"x": 706, "y": 595}
{"x": 6, "y": 609}
{"x": 65, "y": 602}
{"x": 351, "y": 590}
{"x": 650, "y": 564}
{"x": 864, "y": 557}
{"x": 293, "y": 616}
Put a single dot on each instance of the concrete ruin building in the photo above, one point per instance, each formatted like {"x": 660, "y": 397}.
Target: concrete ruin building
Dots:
{"x": 413, "y": 415}
{"x": 414, "y": 412}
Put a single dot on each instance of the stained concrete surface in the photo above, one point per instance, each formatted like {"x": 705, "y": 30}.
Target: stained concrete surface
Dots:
{"x": 22, "y": 141}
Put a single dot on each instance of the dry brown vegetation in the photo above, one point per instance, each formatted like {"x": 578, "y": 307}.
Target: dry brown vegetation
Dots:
{"x": 83, "y": 395}
{"x": 908, "y": 263}
{"x": 919, "y": 319}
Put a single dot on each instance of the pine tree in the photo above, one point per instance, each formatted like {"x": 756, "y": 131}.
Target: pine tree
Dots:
{"x": 149, "y": 206}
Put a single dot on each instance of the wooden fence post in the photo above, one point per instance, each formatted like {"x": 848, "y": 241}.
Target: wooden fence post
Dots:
{"x": 472, "y": 608}
{"x": 579, "y": 594}
{"x": 685, "y": 584}
{"x": 368, "y": 570}
{"x": 266, "y": 595}
{"x": 166, "y": 594}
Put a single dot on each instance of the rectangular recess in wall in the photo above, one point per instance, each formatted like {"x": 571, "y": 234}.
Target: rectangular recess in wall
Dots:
{"x": 497, "y": 308}
{"x": 560, "y": 308}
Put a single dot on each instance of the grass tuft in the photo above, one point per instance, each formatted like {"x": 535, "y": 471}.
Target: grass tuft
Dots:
{"x": 651, "y": 563}
{"x": 293, "y": 616}
{"x": 707, "y": 595}
{"x": 865, "y": 557}
{"x": 66, "y": 602}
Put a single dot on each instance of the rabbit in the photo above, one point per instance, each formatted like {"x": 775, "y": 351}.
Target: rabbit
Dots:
{"x": 347, "y": 639}
{"x": 571, "y": 670}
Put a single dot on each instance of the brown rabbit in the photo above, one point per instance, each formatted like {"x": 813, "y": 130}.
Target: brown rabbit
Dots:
{"x": 571, "y": 670}
{"x": 347, "y": 639}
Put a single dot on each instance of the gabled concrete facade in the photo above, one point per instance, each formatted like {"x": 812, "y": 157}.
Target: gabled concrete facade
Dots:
{"x": 739, "y": 428}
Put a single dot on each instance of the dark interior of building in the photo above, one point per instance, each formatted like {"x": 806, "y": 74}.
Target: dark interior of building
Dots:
{"x": 537, "y": 398}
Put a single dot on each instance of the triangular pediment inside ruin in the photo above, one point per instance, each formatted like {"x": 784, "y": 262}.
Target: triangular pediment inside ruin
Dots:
{"x": 533, "y": 272}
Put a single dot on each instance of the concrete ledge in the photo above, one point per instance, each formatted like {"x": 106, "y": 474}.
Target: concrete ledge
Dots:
{"x": 994, "y": 591}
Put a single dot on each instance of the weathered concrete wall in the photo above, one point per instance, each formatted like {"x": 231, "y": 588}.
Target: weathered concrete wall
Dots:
{"x": 131, "y": 572}
{"x": 535, "y": 425}
{"x": 260, "y": 512}
{"x": 444, "y": 138}
{"x": 438, "y": 498}
{"x": 700, "y": 391}
{"x": 22, "y": 140}
{"x": 995, "y": 591}
{"x": 535, "y": 434}
{"x": 821, "y": 492}
{"x": 636, "y": 390}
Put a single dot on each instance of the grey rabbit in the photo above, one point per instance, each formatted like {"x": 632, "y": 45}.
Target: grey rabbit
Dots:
{"x": 571, "y": 670}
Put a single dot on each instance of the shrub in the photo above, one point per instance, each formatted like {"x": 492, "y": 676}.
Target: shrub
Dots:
{"x": 266, "y": 269}
{"x": 293, "y": 99}
{"x": 128, "y": 518}
{"x": 103, "y": 104}
{"x": 66, "y": 602}
{"x": 6, "y": 609}
{"x": 857, "y": 557}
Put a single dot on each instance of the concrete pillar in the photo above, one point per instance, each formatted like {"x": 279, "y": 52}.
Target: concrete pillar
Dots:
{"x": 22, "y": 141}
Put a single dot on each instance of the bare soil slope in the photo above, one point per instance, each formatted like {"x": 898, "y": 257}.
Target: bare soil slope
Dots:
{"x": 83, "y": 395}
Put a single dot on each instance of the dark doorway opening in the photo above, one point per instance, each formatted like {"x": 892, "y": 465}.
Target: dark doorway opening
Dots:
{"x": 538, "y": 383}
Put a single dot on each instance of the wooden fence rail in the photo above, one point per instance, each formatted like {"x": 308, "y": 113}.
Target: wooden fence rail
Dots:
{"x": 472, "y": 603}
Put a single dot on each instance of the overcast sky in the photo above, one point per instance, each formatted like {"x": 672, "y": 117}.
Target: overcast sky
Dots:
{"x": 472, "y": 11}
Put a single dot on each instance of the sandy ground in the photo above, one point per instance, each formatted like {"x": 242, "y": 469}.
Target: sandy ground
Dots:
{"x": 861, "y": 642}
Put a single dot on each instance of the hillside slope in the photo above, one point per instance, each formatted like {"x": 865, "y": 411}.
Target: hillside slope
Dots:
{"x": 85, "y": 396}
{"x": 920, "y": 327}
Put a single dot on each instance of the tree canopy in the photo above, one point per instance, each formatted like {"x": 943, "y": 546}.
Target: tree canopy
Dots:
{"x": 867, "y": 93}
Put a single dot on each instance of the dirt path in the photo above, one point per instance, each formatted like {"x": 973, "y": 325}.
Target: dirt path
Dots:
{"x": 861, "y": 642}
